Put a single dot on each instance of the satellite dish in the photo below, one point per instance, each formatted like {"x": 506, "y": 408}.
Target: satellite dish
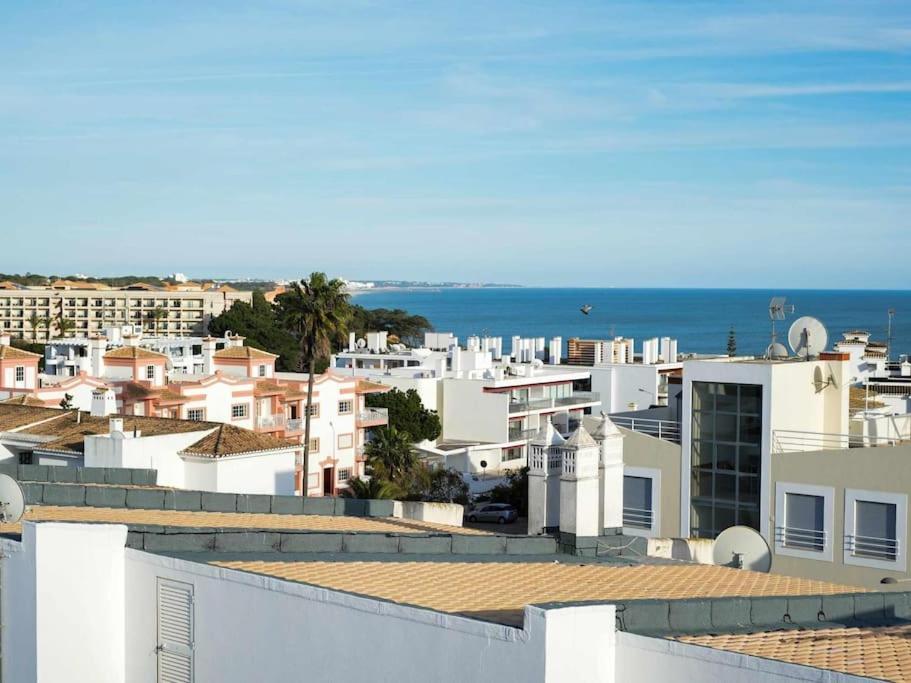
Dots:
{"x": 742, "y": 547}
{"x": 361, "y": 343}
{"x": 776, "y": 351}
{"x": 12, "y": 500}
{"x": 537, "y": 363}
{"x": 807, "y": 337}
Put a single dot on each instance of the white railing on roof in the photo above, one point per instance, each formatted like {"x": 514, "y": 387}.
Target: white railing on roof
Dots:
{"x": 669, "y": 430}
{"x": 793, "y": 441}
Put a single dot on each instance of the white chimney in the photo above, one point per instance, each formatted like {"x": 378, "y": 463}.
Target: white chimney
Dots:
{"x": 116, "y": 425}
{"x": 5, "y": 339}
{"x": 208, "y": 355}
{"x": 104, "y": 403}
{"x": 352, "y": 341}
{"x": 579, "y": 505}
{"x": 131, "y": 340}
{"x": 610, "y": 440}
{"x": 97, "y": 348}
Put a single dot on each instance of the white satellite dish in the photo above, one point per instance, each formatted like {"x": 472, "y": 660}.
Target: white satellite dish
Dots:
{"x": 807, "y": 337}
{"x": 742, "y": 547}
{"x": 361, "y": 343}
{"x": 776, "y": 351}
{"x": 12, "y": 500}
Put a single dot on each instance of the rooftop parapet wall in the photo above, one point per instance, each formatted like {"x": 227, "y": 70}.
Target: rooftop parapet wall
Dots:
{"x": 81, "y": 475}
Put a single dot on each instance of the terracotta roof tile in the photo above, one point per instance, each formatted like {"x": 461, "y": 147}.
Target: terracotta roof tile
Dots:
{"x": 24, "y": 400}
{"x": 501, "y": 590}
{"x": 17, "y": 416}
{"x": 881, "y": 652}
{"x": 244, "y": 352}
{"x": 12, "y": 353}
{"x": 134, "y": 353}
{"x": 230, "y": 440}
{"x": 367, "y": 387}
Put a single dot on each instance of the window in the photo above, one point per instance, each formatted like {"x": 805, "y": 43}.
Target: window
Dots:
{"x": 875, "y": 528}
{"x": 640, "y": 500}
{"x": 346, "y": 440}
{"x": 175, "y": 631}
{"x": 345, "y": 407}
{"x": 197, "y": 414}
{"x": 150, "y": 372}
{"x": 804, "y": 518}
{"x": 725, "y": 456}
{"x": 262, "y": 370}
{"x": 239, "y": 411}
{"x": 344, "y": 474}
{"x": 314, "y": 445}
{"x": 20, "y": 373}
{"x": 314, "y": 410}
{"x": 513, "y": 453}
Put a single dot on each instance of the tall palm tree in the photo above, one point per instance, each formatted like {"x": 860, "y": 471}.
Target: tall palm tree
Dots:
{"x": 35, "y": 321}
{"x": 371, "y": 489}
{"x": 64, "y": 325}
{"x": 390, "y": 452}
{"x": 156, "y": 315}
{"x": 316, "y": 312}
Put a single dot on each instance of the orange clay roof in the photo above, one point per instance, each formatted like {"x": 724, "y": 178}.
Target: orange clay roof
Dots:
{"x": 12, "y": 353}
{"x": 499, "y": 591}
{"x": 367, "y": 387}
{"x": 880, "y": 652}
{"x": 231, "y": 440}
{"x": 244, "y": 352}
{"x": 14, "y": 416}
{"x": 134, "y": 353}
{"x": 24, "y": 400}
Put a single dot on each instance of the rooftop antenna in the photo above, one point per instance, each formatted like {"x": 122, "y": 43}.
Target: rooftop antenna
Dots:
{"x": 891, "y": 313}
{"x": 778, "y": 310}
{"x": 12, "y": 501}
{"x": 807, "y": 337}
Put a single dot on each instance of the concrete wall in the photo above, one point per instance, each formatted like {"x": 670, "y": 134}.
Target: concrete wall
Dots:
{"x": 886, "y": 469}
{"x": 641, "y": 450}
{"x": 641, "y": 659}
{"x": 469, "y": 413}
{"x": 64, "y": 604}
{"x": 236, "y": 638}
{"x": 439, "y": 513}
{"x": 271, "y": 473}
{"x": 147, "y": 452}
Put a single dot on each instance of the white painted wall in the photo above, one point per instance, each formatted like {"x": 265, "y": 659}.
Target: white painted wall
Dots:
{"x": 321, "y": 632}
{"x": 270, "y": 473}
{"x": 641, "y": 659}
{"x": 146, "y": 452}
{"x": 470, "y": 413}
{"x": 439, "y": 513}
{"x": 64, "y": 604}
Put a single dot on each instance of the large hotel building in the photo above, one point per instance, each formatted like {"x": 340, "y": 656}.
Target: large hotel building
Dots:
{"x": 89, "y": 308}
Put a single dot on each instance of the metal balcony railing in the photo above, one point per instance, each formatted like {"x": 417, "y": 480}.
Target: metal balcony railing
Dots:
{"x": 872, "y": 547}
{"x": 373, "y": 416}
{"x": 268, "y": 421}
{"x": 792, "y": 441}
{"x": 637, "y": 517}
{"x": 577, "y": 399}
{"x": 669, "y": 430}
{"x": 801, "y": 539}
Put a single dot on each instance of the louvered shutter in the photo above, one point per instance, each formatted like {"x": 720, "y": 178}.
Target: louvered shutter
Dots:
{"x": 175, "y": 632}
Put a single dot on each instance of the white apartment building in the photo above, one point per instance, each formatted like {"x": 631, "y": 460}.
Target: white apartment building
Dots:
{"x": 178, "y": 312}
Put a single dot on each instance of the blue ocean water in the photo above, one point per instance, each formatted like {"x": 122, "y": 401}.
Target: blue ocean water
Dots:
{"x": 698, "y": 318}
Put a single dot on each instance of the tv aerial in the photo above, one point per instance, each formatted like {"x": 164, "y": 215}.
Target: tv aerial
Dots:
{"x": 12, "y": 500}
{"x": 807, "y": 337}
{"x": 778, "y": 310}
{"x": 742, "y": 547}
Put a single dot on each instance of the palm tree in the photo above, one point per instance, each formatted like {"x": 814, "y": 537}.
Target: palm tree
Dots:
{"x": 316, "y": 312}
{"x": 371, "y": 489}
{"x": 35, "y": 321}
{"x": 390, "y": 452}
{"x": 65, "y": 325}
{"x": 155, "y": 315}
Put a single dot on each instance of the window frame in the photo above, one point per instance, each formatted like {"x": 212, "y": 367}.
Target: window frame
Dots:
{"x": 312, "y": 440}
{"x": 350, "y": 409}
{"x": 827, "y": 493}
{"x": 348, "y": 435}
{"x": 202, "y": 411}
{"x": 150, "y": 372}
{"x": 346, "y": 478}
{"x": 900, "y": 501}
{"x": 19, "y": 373}
{"x": 655, "y": 475}
{"x": 245, "y": 413}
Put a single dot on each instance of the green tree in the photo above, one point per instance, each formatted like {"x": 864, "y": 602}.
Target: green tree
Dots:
{"x": 732, "y": 342}
{"x": 316, "y": 312}
{"x": 513, "y": 491}
{"x": 258, "y": 322}
{"x": 64, "y": 325}
{"x": 408, "y": 328}
{"x": 390, "y": 454}
{"x": 371, "y": 489}
{"x": 446, "y": 486}
{"x": 35, "y": 321}
{"x": 155, "y": 316}
{"x": 407, "y": 414}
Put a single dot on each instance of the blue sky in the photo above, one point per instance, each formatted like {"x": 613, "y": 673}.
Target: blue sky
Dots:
{"x": 756, "y": 144}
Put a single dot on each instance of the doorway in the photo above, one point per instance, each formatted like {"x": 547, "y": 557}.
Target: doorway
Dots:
{"x": 328, "y": 481}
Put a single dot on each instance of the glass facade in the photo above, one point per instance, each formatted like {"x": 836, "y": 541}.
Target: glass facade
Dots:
{"x": 726, "y": 455}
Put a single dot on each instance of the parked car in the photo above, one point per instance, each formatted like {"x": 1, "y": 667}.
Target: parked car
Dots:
{"x": 501, "y": 513}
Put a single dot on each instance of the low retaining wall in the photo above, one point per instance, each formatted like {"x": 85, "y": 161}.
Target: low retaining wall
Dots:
{"x": 81, "y": 475}
{"x": 439, "y": 513}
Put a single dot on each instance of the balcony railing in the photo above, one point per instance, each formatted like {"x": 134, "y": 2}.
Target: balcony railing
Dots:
{"x": 792, "y": 441}
{"x": 637, "y": 517}
{"x": 800, "y": 539}
{"x": 872, "y": 547}
{"x": 577, "y": 399}
{"x": 295, "y": 425}
{"x": 373, "y": 416}
{"x": 669, "y": 430}
{"x": 270, "y": 421}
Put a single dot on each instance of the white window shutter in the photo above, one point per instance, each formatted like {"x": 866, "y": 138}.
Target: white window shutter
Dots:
{"x": 175, "y": 632}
